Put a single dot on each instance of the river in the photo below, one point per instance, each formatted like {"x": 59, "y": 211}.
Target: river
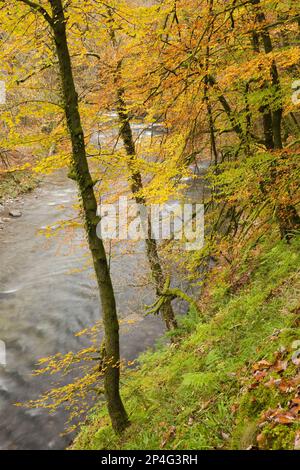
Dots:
{"x": 47, "y": 294}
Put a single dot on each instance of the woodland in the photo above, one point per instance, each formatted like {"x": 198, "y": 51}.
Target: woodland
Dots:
{"x": 148, "y": 100}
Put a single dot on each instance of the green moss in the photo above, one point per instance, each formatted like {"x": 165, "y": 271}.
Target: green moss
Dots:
{"x": 280, "y": 437}
{"x": 200, "y": 386}
{"x": 245, "y": 435}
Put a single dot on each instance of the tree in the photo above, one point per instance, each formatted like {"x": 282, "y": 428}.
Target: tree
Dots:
{"x": 158, "y": 276}
{"x": 222, "y": 86}
{"x": 79, "y": 171}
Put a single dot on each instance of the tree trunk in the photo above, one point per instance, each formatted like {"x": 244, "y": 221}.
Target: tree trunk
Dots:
{"x": 287, "y": 215}
{"x": 136, "y": 185}
{"x": 81, "y": 173}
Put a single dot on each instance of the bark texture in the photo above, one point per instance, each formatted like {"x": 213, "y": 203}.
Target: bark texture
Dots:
{"x": 136, "y": 185}
{"x": 80, "y": 172}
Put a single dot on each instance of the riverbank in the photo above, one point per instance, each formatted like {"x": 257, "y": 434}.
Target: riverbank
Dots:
{"x": 227, "y": 383}
{"x": 13, "y": 186}
{"x": 16, "y": 183}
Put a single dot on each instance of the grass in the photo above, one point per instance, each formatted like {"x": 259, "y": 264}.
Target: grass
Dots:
{"x": 208, "y": 389}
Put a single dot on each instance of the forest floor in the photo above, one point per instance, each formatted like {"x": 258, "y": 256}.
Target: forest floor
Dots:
{"x": 16, "y": 183}
{"x": 228, "y": 382}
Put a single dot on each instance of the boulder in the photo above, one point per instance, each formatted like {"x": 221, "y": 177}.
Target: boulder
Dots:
{"x": 15, "y": 213}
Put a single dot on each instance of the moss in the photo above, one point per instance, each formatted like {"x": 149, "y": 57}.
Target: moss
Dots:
{"x": 280, "y": 437}
{"x": 247, "y": 432}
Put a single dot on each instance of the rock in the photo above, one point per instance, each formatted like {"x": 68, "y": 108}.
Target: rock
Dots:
{"x": 15, "y": 213}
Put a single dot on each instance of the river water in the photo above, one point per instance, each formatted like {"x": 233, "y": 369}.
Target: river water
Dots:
{"x": 47, "y": 294}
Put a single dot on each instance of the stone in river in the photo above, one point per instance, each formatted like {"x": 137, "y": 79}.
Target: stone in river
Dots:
{"x": 15, "y": 213}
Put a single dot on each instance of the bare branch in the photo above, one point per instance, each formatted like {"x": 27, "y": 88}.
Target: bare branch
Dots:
{"x": 36, "y": 7}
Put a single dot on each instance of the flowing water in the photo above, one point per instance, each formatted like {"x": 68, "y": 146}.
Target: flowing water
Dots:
{"x": 47, "y": 294}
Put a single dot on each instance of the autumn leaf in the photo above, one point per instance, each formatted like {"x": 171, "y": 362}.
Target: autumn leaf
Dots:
{"x": 259, "y": 375}
{"x": 261, "y": 365}
{"x": 296, "y": 358}
{"x": 280, "y": 366}
{"x": 284, "y": 418}
{"x": 168, "y": 436}
{"x": 297, "y": 441}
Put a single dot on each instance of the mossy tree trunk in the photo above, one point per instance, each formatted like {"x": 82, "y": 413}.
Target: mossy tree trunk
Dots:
{"x": 158, "y": 276}
{"x": 136, "y": 186}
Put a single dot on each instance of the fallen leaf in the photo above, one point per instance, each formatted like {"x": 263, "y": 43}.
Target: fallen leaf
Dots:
{"x": 285, "y": 418}
{"x": 286, "y": 386}
{"x": 295, "y": 406}
{"x": 296, "y": 401}
{"x": 297, "y": 441}
{"x": 280, "y": 366}
{"x": 234, "y": 408}
{"x": 259, "y": 375}
{"x": 168, "y": 436}
{"x": 295, "y": 410}
{"x": 296, "y": 358}
{"x": 260, "y": 365}
{"x": 268, "y": 414}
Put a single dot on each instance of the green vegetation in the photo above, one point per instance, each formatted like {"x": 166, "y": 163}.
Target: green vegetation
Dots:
{"x": 15, "y": 183}
{"x": 216, "y": 99}
{"x": 228, "y": 383}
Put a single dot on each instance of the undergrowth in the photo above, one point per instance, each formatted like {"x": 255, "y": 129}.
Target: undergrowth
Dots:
{"x": 16, "y": 183}
{"x": 228, "y": 383}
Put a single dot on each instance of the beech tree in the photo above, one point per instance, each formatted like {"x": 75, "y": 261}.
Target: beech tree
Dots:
{"x": 137, "y": 186}
{"x": 217, "y": 77}
{"x": 79, "y": 171}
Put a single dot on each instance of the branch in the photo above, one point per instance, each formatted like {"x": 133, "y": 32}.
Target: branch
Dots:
{"x": 34, "y": 72}
{"x": 165, "y": 295}
{"x": 39, "y": 9}
{"x": 47, "y": 66}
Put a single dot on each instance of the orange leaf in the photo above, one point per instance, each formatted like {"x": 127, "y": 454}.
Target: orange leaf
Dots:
{"x": 280, "y": 366}
{"x": 260, "y": 365}
{"x": 285, "y": 418}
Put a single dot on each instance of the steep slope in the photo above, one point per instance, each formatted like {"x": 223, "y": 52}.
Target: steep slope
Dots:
{"x": 228, "y": 383}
